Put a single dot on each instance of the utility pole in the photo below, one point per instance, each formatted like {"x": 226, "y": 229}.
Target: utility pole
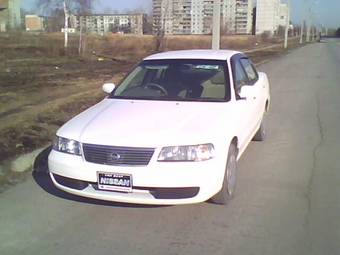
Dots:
{"x": 67, "y": 15}
{"x": 80, "y": 47}
{"x": 287, "y": 25}
{"x": 304, "y": 22}
{"x": 216, "y": 33}
{"x": 301, "y": 31}
{"x": 308, "y": 25}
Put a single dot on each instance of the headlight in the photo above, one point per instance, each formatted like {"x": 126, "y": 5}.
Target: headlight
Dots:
{"x": 187, "y": 153}
{"x": 66, "y": 145}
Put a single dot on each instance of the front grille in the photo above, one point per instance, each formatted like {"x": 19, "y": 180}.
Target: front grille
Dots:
{"x": 112, "y": 155}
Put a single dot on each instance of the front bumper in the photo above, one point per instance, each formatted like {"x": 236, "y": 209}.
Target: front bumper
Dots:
{"x": 162, "y": 183}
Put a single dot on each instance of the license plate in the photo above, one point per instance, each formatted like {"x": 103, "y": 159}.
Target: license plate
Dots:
{"x": 115, "y": 182}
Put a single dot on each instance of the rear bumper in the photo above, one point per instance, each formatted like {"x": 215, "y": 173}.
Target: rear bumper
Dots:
{"x": 157, "y": 183}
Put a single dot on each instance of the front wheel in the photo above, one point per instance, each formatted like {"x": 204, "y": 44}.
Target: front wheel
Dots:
{"x": 229, "y": 181}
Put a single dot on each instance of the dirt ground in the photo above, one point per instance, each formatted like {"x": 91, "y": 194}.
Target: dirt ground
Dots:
{"x": 38, "y": 95}
{"x": 41, "y": 88}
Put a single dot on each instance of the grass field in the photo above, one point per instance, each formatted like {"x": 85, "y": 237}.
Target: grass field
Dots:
{"x": 42, "y": 86}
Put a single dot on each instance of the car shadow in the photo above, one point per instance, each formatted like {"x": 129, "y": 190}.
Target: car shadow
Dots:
{"x": 41, "y": 176}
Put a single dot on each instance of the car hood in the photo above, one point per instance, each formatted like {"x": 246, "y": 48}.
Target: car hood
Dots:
{"x": 138, "y": 123}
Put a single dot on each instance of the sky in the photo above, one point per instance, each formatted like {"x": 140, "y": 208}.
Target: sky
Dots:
{"x": 326, "y": 12}
{"x": 125, "y": 4}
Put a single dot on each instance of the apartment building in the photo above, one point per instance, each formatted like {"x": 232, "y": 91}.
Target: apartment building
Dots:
{"x": 244, "y": 17}
{"x": 237, "y": 16}
{"x": 228, "y": 11}
{"x": 157, "y": 16}
{"x": 182, "y": 10}
{"x": 270, "y": 14}
{"x": 10, "y": 15}
{"x": 114, "y": 23}
{"x": 201, "y": 16}
{"x": 195, "y": 16}
{"x": 172, "y": 16}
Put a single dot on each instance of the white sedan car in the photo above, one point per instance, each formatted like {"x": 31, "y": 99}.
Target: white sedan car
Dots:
{"x": 170, "y": 133}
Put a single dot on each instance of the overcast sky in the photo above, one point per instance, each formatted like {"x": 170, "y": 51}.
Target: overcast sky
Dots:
{"x": 326, "y": 12}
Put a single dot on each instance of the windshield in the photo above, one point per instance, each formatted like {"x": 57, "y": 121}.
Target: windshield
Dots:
{"x": 178, "y": 80}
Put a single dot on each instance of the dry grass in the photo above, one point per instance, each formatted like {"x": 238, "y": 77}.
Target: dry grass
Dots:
{"x": 204, "y": 42}
{"x": 128, "y": 47}
{"x": 40, "y": 89}
{"x": 29, "y": 128}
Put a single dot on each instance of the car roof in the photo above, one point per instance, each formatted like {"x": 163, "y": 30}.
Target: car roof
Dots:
{"x": 194, "y": 54}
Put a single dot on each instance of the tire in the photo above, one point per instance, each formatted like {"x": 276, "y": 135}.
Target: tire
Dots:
{"x": 229, "y": 181}
{"x": 260, "y": 135}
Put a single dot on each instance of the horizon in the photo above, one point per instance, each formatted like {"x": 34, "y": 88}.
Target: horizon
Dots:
{"x": 325, "y": 13}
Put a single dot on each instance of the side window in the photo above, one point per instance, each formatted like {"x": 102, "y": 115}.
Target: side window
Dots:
{"x": 250, "y": 70}
{"x": 240, "y": 76}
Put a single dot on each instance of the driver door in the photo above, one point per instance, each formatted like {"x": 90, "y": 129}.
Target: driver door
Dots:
{"x": 245, "y": 102}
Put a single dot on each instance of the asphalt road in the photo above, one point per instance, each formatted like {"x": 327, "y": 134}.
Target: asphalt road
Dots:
{"x": 287, "y": 201}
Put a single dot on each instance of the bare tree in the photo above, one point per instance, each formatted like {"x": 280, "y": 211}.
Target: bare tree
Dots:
{"x": 67, "y": 16}
{"x": 75, "y": 6}
{"x": 165, "y": 9}
{"x": 68, "y": 6}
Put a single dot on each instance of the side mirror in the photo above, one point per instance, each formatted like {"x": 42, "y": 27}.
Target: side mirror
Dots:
{"x": 246, "y": 92}
{"x": 108, "y": 88}
{"x": 262, "y": 76}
